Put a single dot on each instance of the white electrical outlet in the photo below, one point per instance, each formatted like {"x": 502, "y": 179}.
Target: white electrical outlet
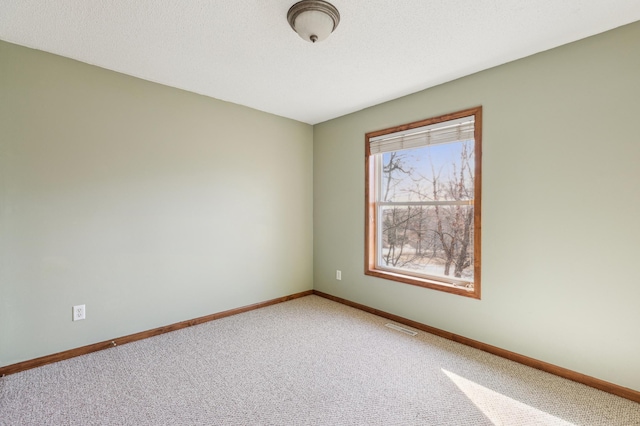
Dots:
{"x": 338, "y": 275}
{"x": 79, "y": 312}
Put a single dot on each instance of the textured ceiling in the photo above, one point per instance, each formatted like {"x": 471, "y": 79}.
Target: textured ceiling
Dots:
{"x": 244, "y": 51}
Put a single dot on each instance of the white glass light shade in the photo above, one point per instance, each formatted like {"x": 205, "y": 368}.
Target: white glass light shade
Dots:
{"x": 313, "y": 25}
{"x": 313, "y": 20}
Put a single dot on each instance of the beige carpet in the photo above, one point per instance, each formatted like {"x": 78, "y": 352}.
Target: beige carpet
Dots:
{"x": 309, "y": 361}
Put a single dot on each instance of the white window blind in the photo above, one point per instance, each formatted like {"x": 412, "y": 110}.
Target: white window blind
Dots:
{"x": 457, "y": 130}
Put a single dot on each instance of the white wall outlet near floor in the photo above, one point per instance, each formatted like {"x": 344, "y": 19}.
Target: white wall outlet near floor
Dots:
{"x": 338, "y": 275}
{"x": 79, "y": 312}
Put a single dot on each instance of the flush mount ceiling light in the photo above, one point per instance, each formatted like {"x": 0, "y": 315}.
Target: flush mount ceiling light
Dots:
{"x": 313, "y": 20}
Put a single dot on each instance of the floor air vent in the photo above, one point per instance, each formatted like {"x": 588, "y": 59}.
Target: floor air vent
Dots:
{"x": 401, "y": 329}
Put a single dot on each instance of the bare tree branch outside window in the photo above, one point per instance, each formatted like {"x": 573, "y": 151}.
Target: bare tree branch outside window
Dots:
{"x": 435, "y": 238}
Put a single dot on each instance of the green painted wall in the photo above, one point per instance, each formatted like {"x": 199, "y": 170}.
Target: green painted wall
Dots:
{"x": 148, "y": 204}
{"x": 561, "y": 207}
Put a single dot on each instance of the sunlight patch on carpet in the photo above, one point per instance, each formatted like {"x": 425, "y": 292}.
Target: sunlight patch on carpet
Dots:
{"x": 500, "y": 409}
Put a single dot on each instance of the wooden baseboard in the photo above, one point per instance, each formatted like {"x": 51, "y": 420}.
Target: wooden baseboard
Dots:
{"x": 602, "y": 385}
{"x": 48, "y": 359}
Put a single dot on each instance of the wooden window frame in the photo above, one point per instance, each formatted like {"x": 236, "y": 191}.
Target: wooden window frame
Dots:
{"x": 371, "y": 214}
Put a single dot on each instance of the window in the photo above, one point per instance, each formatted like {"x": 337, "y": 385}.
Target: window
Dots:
{"x": 423, "y": 185}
